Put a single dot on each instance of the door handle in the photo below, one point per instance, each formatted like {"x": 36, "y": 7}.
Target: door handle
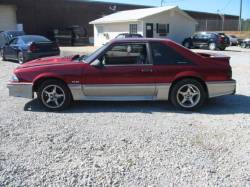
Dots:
{"x": 146, "y": 70}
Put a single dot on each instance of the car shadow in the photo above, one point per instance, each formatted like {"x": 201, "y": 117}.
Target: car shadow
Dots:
{"x": 237, "y": 104}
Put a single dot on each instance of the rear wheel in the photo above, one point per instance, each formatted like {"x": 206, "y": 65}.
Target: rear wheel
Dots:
{"x": 222, "y": 48}
{"x": 212, "y": 46}
{"x": 188, "y": 94}
{"x": 21, "y": 58}
{"x": 187, "y": 45}
{"x": 54, "y": 95}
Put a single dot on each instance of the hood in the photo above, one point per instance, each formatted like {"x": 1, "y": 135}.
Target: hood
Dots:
{"x": 47, "y": 61}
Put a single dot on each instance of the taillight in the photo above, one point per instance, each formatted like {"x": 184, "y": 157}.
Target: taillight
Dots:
{"x": 221, "y": 39}
{"x": 33, "y": 48}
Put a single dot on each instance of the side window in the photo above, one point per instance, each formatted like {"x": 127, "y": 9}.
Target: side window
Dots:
{"x": 164, "y": 55}
{"x": 126, "y": 54}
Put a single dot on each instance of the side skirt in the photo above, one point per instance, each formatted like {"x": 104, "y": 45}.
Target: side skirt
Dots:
{"x": 161, "y": 93}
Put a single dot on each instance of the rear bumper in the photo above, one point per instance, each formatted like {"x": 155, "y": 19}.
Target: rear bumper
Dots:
{"x": 220, "y": 88}
{"x": 32, "y": 56}
{"x": 24, "y": 90}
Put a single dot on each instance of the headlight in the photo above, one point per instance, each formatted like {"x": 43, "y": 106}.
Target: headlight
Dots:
{"x": 14, "y": 78}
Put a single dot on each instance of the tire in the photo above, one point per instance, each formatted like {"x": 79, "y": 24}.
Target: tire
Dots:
{"x": 212, "y": 46}
{"x": 188, "y": 94}
{"x": 54, "y": 95}
{"x": 222, "y": 48}
{"x": 2, "y": 57}
{"x": 187, "y": 45}
{"x": 21, "y": 58}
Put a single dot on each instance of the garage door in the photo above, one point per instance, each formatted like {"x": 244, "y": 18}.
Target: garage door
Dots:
{"x": 7, "y": 17}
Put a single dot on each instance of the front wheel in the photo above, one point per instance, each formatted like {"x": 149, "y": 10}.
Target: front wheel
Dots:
{"x": 21, "y": 58}
{"x": 2, "y": 57}
{"x": 54, "y": 95}
{"x": 188, "y": 94}
{"x": 222, "y": 48}
{"x": 187, "y": 45}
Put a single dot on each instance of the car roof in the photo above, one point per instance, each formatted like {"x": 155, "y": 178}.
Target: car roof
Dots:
{"x": 124, "y": 40}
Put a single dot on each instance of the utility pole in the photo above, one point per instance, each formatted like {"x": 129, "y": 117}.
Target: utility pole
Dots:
{"x": 162, "y": 1}
{"x": 240, "y": 27}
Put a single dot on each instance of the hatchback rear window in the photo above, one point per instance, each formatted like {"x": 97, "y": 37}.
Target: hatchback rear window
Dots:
{"x": 29, "y": 39}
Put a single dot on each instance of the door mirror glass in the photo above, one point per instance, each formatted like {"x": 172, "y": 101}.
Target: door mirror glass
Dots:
{"x": 97, "y": 63}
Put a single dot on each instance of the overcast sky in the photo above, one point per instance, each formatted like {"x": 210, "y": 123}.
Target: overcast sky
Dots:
{"x": 214, "y": 6}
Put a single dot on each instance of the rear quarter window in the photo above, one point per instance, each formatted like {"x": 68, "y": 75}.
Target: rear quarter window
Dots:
{"x": 165, "y": 55}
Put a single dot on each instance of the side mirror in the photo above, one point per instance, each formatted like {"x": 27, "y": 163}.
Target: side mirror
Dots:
{"x": 97, "y": 63}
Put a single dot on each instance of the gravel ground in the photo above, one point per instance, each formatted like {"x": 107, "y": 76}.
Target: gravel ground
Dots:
{"x": 127, "y": 143}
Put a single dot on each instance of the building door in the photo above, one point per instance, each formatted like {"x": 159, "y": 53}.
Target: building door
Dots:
{"x": 149, "y": 30}
{"x": 7, "y": 18}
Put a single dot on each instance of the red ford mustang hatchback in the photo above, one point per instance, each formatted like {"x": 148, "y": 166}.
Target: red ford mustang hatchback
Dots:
{"x": 126, "y": 70}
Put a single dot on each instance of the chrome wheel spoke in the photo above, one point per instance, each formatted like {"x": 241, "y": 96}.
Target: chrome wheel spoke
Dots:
{"x": 56, "y": 102}
{"x": 191, "y": 101}
{"x": 54, "y": 89}
{"x": 48, "y": 100}
{"x": 59, "y": 95}
{"x": 184, "y": 100}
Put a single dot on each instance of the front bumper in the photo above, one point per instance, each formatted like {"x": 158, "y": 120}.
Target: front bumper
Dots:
{"x": 24, "y": 90}
{"x": 220, "y": 88}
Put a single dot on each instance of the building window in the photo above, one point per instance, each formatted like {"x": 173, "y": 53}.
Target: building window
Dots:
{"x": 162, "y": 29}
{"x": 99, "y": 29}
{"x": 133, "y": 28}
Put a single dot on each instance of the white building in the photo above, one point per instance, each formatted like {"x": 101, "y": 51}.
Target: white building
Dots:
{"x": 160, "y": 22}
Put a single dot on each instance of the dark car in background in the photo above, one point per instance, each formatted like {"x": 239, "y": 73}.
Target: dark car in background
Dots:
{"x": 210, "y": 40}
{"x": 6, "y": 36}
{"x": 70, "y": 36}
{"x": 128, "y": 35}
{"x": 29, "y": 47}
{"x": 234, "y": 41}
{"x": 245, "y": 43}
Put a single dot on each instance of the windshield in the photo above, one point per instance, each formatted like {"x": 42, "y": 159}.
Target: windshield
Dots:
{"x": 92, "y": 56}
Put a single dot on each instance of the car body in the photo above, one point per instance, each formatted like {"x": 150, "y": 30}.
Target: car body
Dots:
{"x": 128, "y": 35}
{"x": 29, "y": 47}
{"x": 6, "y": 36}
{"x": 245, "y": 43}
{"x": 70, "y": 36}
{"x": 127, "y": 70}
{"x": 233, "y": 40}
{"x": 210, "y": 40}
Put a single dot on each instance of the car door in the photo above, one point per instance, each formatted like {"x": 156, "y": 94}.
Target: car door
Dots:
{"x": 197, "y": 40}
{"x": 11, "y": 49}
{"x": 126, "y": 72}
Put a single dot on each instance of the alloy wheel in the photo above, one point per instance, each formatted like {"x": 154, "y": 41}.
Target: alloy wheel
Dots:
{"x": 212, "y": 46}
{"x": 188, "y": 96}
{"x": 20, "y": 58}
{"x": 53, "y": 96}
